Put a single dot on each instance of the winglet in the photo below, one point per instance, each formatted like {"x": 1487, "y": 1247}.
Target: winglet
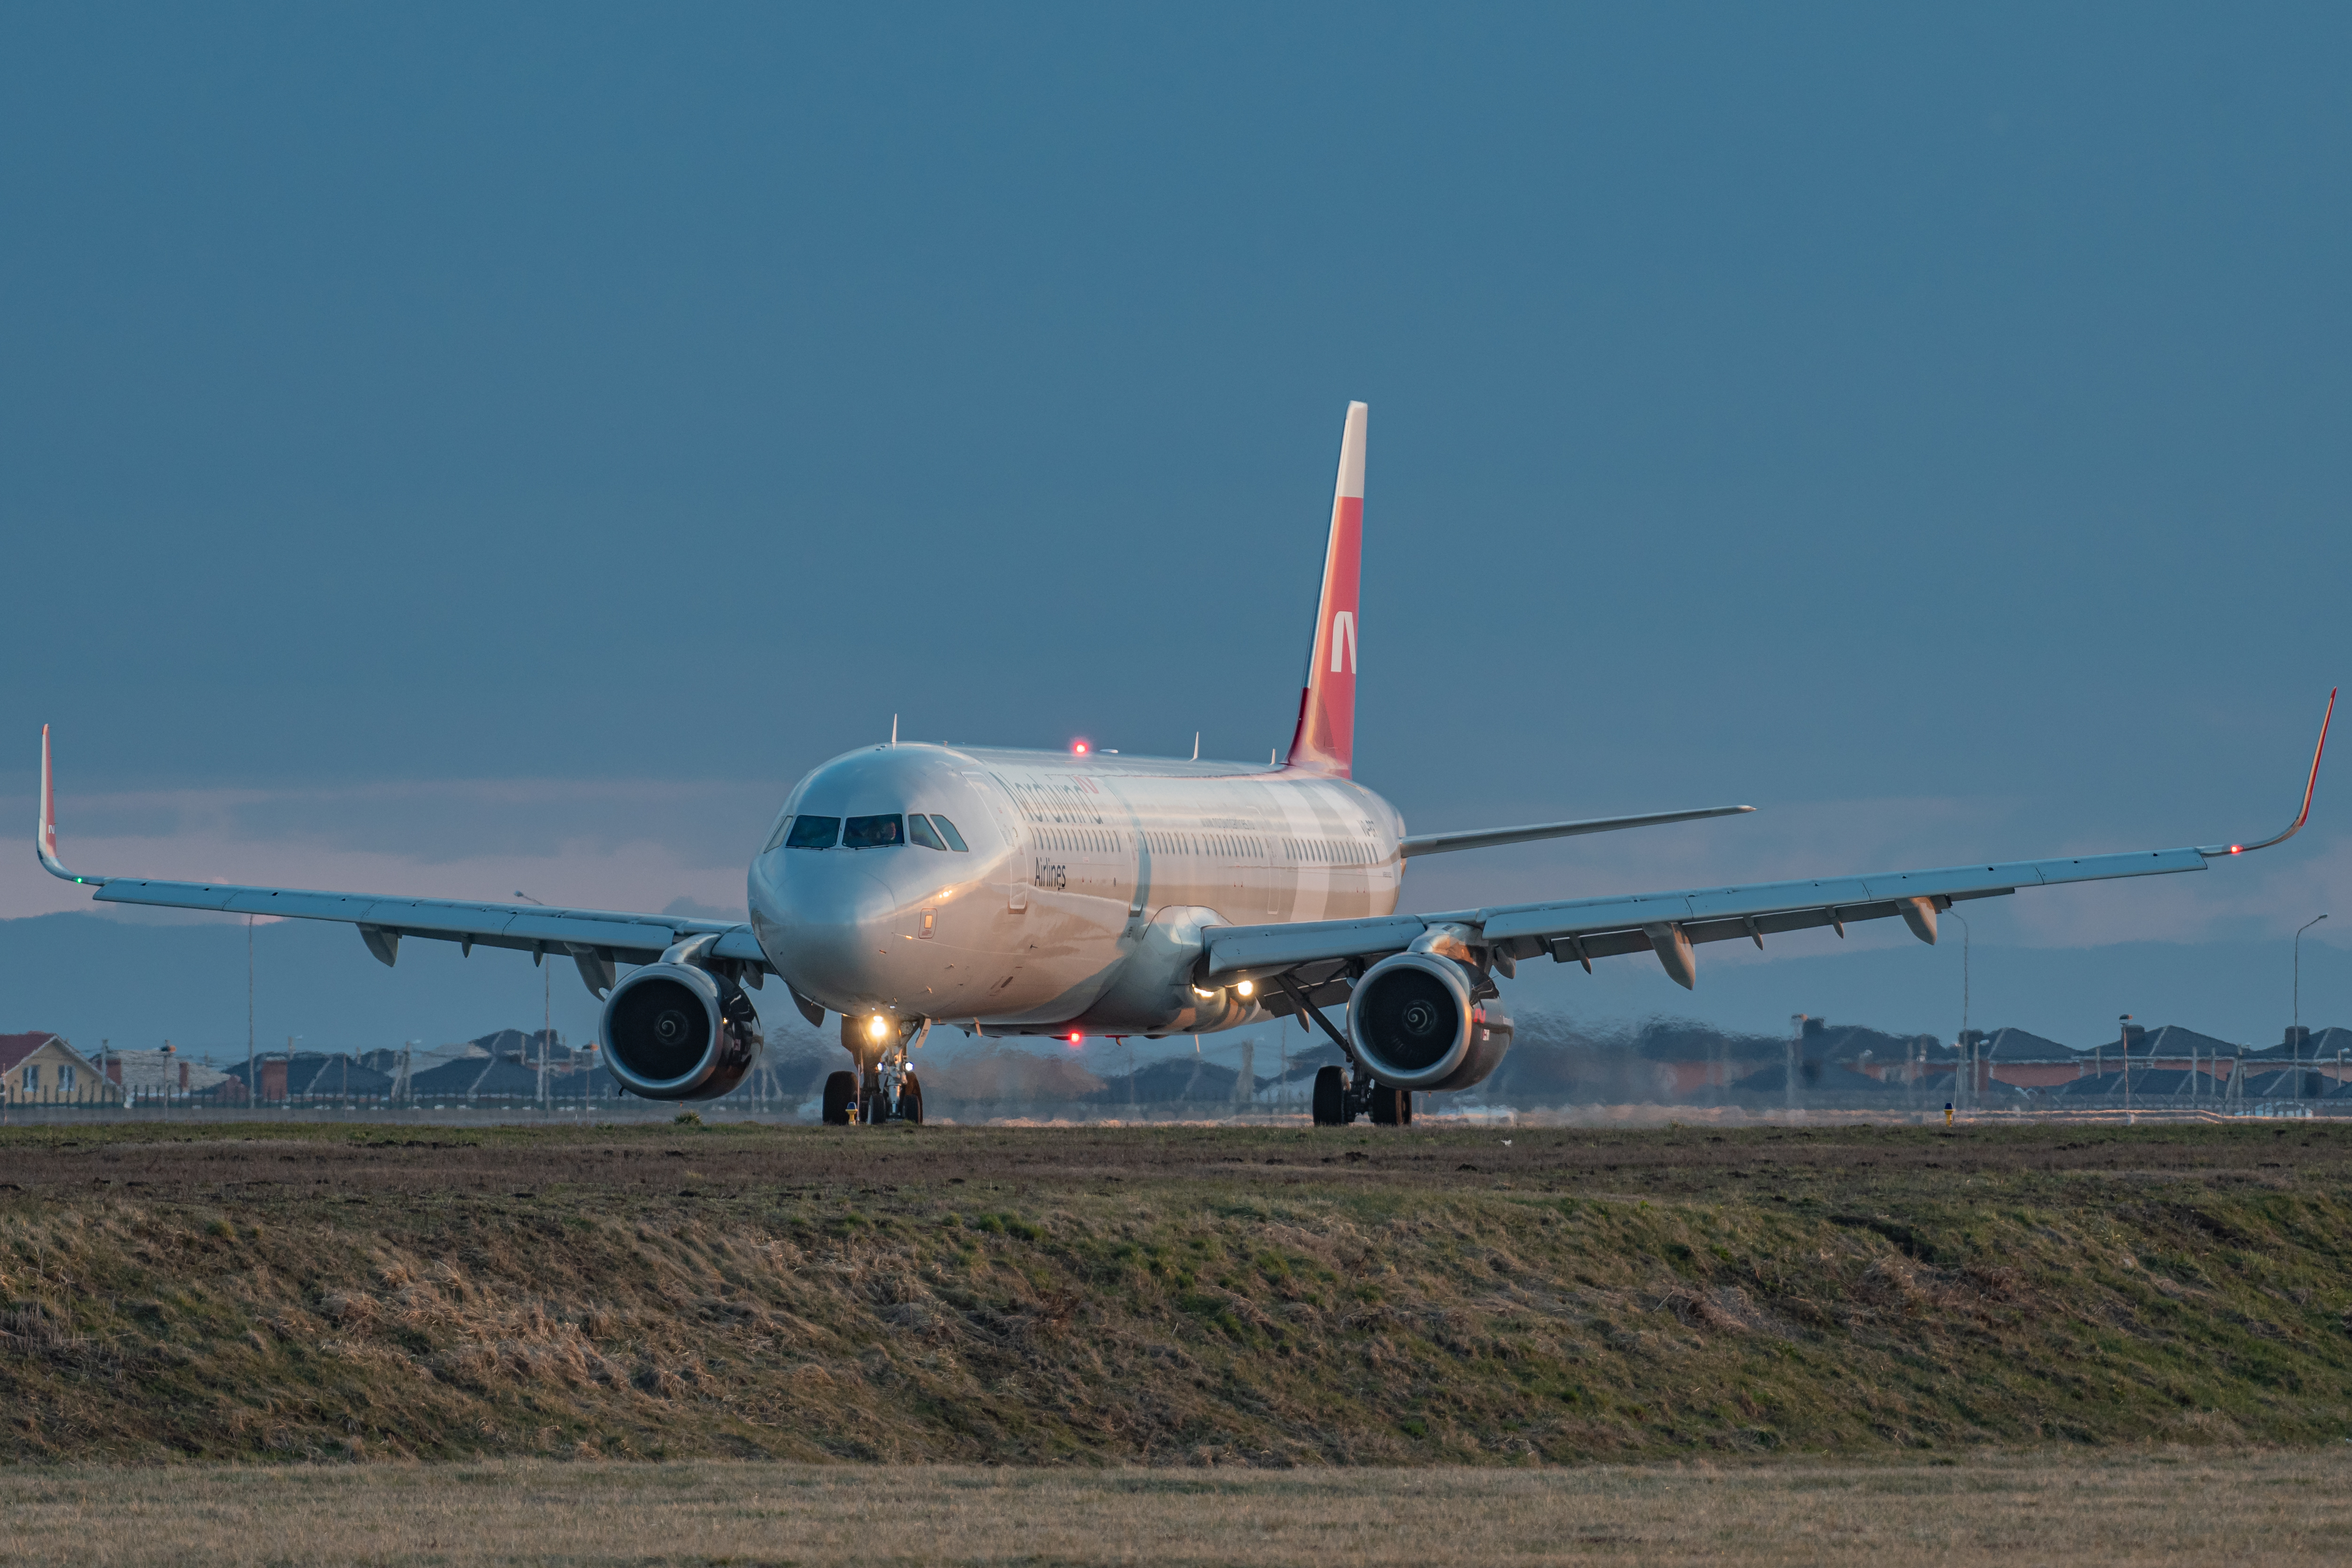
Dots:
{"x": 2309, "y": 785}
{"x": 45, "y": 839}
{"x": 1324, "y": 740}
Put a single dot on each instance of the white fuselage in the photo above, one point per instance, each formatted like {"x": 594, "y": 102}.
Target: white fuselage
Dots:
{"x": 1079, "y": 898}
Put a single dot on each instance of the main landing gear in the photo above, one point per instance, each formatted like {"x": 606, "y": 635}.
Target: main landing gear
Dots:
{"x": 1344, "y": 1093}
{"x": 1340, "y": 1098}
{"x": 884, "y": 1089}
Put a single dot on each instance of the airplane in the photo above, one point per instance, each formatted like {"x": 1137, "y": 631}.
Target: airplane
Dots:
{"x": 1084, "y": 891}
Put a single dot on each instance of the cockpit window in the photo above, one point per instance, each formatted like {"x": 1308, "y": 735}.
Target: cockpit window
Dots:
{"x": 947, "y": 831}
{"x": 919, "y": 829}
{"x": 813, "y": 834}
{"x": 776, "y": 839}
{"x": 872, "y": 832}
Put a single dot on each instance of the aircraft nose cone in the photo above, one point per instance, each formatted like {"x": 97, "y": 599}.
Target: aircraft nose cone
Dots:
{"x": 828, "y": 928}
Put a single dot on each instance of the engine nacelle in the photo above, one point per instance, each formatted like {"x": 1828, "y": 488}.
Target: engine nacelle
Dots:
{"x": 1417, "y": 1023}
{"x": 674, "y": 1031}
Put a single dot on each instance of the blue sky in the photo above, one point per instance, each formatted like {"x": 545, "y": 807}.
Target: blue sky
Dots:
{"x": 455, "y": 449}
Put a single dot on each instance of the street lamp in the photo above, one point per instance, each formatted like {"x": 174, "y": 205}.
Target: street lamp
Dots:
{"x": 1965, "y": 936}
{"x": 2298, "y": 963}
{"x": 546, "y": 1006}
{"x": 1966, "y": 1056}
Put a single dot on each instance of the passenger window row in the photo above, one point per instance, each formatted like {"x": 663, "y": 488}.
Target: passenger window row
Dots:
{"x": 806, "y": 832}
{"x": 1329, "y": 852}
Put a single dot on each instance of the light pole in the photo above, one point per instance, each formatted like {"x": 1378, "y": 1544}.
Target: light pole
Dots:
{"x": 1961, "y": 1048}
{"x": 1965, "y": 935}
{"x": 252, "y": 1084}
{"x": 547, "y": 994}
{"x": 1796, "y": 1058}
{"x": 2298, "y": 963}
{"x": 2295, "y": 1055}
{"x": 2123, "y": 1043}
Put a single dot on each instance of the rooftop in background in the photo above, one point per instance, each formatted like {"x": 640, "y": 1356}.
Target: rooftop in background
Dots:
{"x": 2022, "y": 1045}
{"x": 14, "y": 1047}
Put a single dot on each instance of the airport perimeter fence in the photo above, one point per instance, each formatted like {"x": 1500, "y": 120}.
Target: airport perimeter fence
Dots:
{"x": 1444, "y": 1112}
{"x": 608, "y": 1102}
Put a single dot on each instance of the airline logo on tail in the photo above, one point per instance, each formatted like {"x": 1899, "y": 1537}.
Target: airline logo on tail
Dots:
{"x": 1325, "y": 738}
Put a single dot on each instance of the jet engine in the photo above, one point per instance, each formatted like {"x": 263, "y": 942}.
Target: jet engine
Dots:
{"x": 1418, "y": 1023}
{"x": 675, "y": 1031}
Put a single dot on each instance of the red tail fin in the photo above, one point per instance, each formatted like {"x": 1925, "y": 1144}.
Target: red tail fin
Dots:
{"x": 1325, "y": 738}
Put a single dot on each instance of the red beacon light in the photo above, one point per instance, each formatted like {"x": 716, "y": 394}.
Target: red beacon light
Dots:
{"x": 1079, "y": 748}
{"x": 1076, "y": 1040}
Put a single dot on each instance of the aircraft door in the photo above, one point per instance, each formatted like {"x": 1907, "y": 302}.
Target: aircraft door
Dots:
{"x": 1271, "y": 882}
{"x": 1132, "y": 861}
{"x": 1008, "y": 822}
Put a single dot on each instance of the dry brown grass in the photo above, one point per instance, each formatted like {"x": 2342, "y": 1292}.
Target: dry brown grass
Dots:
{"x": 1177, "y": 1297}
{"x": 2010, "y": 1510}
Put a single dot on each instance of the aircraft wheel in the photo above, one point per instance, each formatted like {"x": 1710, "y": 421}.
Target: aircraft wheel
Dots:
{"x": 911, "y": 1100}
{"x": 1405, "y": 1107}
{"x": 840, "y": 1098}
{"x": 1384, "y": 1106}
{"x": 1330, "y": 1097}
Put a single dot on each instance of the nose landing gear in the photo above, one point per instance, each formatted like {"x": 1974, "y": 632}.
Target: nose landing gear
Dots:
{"x": 884, "y": 1087}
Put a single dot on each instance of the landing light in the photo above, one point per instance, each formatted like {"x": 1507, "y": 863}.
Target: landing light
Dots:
{"x": 877, "y": 1027}
{"x": 1247, "y": 989}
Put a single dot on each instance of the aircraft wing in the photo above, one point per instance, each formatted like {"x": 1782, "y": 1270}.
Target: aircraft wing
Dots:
{"x": 1303, "y": 957}
{"x": 596, "y": 940}
{"x": 1489, "y": 838}
{"x": 1583, "y": 929}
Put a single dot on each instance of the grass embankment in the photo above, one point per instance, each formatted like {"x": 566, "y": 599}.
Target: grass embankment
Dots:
{"x": 1181, "y": 1295}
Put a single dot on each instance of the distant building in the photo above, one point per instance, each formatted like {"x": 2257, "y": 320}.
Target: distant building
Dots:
{"x": 2288, "y": 1084}
{"x": 2020, "y": 1060}
{"x": 41, "y": 1068}
{"x": 157, "y": 1074}
{"x": 501, "y": 1080}
{"x": 1814, "y": 1078}
{"x": 1835, "y": 1065}
{"x": 305, "y": 1078}
{"x": 2200, "y": 1064}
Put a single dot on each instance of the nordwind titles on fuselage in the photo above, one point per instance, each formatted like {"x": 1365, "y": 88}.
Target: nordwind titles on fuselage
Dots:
{"x": 1024, "y": 891}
